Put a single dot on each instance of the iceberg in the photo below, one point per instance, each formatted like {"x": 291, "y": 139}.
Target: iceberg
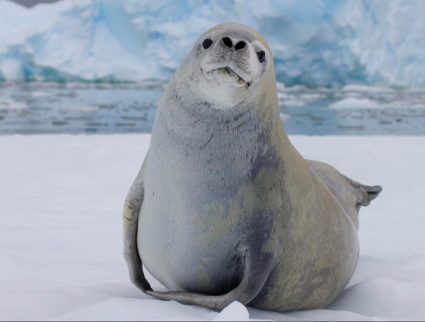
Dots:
{"x": 315, "y": 43}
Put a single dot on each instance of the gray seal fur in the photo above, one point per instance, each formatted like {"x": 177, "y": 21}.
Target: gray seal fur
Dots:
{"x": 224, "y": 208}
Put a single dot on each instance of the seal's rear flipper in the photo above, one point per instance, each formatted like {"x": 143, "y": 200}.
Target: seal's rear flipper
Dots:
{"x": 365, "y": 194}
{"x": 255, "y": 275}
{"x": 368, "y": 193}
{"x": 373, "y": 191}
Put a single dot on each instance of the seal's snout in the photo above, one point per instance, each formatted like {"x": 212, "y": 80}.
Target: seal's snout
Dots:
{"x": 228, "y": 42}
{"x": 230, "y": 60}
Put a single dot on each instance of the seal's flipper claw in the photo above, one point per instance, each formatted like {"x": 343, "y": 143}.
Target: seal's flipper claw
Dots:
{"x": 135, "y": 271}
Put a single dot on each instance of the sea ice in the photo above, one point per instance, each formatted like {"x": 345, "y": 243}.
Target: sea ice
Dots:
{"x": 61, "y": 256}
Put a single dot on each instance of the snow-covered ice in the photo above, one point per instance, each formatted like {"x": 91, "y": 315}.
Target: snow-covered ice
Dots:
{"x": 60, "y": 230}
{"x": 233, "y": 312}
{"x": 9, "y": 104}
{"x": 353, "y": 102}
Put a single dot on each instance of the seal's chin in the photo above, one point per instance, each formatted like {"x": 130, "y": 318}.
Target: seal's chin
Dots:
{"x": 226, "y": 75}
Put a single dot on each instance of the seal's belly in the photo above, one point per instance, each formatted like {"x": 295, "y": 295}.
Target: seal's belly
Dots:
{"x": 187, "y": 238}
{"x": 186, "y": 253}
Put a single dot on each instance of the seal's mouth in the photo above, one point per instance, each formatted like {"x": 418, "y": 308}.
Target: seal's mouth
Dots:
{"x": 227, "y": 74}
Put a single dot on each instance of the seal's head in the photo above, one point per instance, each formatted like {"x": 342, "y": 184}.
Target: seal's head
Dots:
{"x": 227, "y": 64}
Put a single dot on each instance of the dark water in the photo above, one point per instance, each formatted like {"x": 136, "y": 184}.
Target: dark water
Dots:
{"x": 126, "y": 108}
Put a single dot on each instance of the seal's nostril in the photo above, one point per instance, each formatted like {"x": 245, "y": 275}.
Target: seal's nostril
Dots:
{"x": 227, "y": 41}
{"x": 261, "y": 56}
{"x": 240, "y": 45}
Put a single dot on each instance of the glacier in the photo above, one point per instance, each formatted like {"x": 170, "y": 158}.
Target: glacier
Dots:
{"x": 314, "y": 42}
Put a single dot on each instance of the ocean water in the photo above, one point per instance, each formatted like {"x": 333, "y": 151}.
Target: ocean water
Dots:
{"x": 41, "y": 108}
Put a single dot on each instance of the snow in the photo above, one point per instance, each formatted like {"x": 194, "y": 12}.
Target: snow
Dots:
{"x": 61, "y": 258}
{"x": 233, "y": 312}
{"x": 321, "y": 42}
{"x": 367, "y": 89}
{"x": 299, "y": 96}
{"x": 11, "y": 69}
{"x": 353, "y": 102}
{"x": 7, "y": 104}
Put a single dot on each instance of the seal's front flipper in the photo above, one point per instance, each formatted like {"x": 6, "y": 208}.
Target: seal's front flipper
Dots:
{"x": 131, "y": 211}
{"x": 256, "y": 272}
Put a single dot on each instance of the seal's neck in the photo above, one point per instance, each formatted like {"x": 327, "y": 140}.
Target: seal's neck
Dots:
{"x": 186, "y": 118}
{"x": 183, "y": 109}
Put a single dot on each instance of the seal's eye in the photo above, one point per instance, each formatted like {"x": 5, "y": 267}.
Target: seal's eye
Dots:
{"x": 207, "y": 43}
{"x": 261, "y": 56}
